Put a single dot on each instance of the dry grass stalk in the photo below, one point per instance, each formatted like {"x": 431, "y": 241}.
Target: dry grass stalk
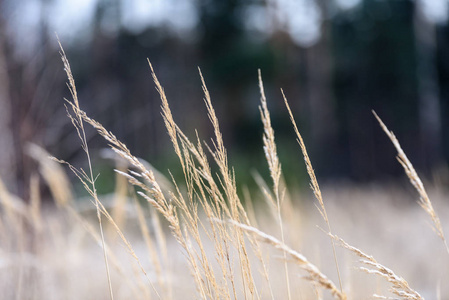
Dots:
{"x": 53, "y": 174}
{"x": 268, "y": 141}
{"x": 314, "y": 274}
{"x": 274, "y": 166}
{"x": 228, "y": 183}
{"x": 35, "y": 204}
{"x": 89, "y": 180}
{"x": 268, "y": 197}
{"x": 57, "y": 181}
{"x": 120, "y": 197}
{"x": 249, "y": 207}
{"x": 206, "y": 285}
{"x": 162, "y": 273}
{"x": 313, "y": 183}
{"x": 194, "y": 177}
{"x": 249, "y": 218}
{"x": 400, "y": 286}
{"x": 162, "y": 243}
{"x": 200, "y": 182}
{"x": 14, "y": 206}
{"x": 424, "y": 200}
{"x": 112, "y": 258}
{"x": 128, "y": 245}
{"x": 87, "y": 184}
{"x": 85, "y": 181}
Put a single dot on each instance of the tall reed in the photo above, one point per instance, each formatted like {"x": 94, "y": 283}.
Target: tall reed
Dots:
{"x": 219, "y": 237}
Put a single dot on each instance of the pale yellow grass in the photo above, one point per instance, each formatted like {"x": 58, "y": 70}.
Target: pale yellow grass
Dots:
{"x": 218, "y": 248}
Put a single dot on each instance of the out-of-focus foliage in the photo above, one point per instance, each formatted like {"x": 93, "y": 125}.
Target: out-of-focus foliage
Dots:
{"x": 335, "y": 60}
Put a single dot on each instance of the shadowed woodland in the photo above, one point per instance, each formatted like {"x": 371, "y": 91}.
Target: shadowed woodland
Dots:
{"x": 335, "y": 60}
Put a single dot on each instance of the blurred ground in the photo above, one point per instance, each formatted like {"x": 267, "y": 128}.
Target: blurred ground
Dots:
{"x": 66, "y": 261}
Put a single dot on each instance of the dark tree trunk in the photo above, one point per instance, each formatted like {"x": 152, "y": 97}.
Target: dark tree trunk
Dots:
{"x": 6, "y": 140}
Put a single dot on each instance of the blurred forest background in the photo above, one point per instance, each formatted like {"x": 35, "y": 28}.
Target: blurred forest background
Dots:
{"x": 335, "y": 59}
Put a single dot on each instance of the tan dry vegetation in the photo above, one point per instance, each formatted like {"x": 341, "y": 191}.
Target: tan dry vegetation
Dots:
{"x": 196, "y": 239}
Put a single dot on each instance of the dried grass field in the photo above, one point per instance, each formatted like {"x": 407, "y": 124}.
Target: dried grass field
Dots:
{"x": 203, "y": 238}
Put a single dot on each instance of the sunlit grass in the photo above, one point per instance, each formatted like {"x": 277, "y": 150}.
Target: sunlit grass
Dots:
{"x": 201, "y": 236}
